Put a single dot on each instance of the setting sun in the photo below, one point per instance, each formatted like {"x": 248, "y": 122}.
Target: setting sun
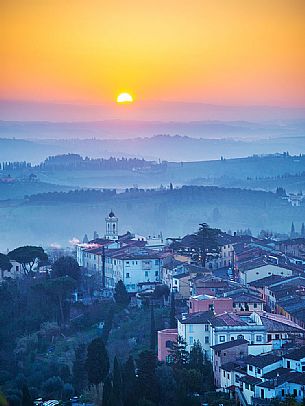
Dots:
{"x": 124, "y": 98}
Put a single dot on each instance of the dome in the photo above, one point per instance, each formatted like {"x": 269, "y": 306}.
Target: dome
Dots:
{"x": 111, "y": 214}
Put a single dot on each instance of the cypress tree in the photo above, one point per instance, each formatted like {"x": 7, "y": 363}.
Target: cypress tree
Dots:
{"x": 130, "y": 392}
{"x": 79, "y": 371}
{"x": 147, "y": 380}
{"x": 121, "y": 295}
{"x": 26, "y": 396}
{"x": 303, "y": 230}
{"x": 107, "y": 392}
{"x": 108, "y": 325}
{"x": 196, "y": 357}
{"x": 117, "y": 383}
{"x": 97, "y": 363}
{"x": 152, "y": 329}
{"x": 172, "y": 316}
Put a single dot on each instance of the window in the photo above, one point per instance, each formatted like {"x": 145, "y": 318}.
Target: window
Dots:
{"x": 259, "y": 338}
{"x": 169, "y": 344}
{"x": 114, "y": 261}
{"x": 295, "y": 392}
{"x": 283, "y": 392}
{"x": 258, "y": 371}
{"x": 236, "y": 378}
{"x": 191, "y": 340}
{"x": 169, "y": 359}
{"x": 234, "y": 305}
{"x": 156, "y": 273}
{"x": 255, "y": 305}
{"x": 191, "y": 328}
{"x": 127, "y": 275}
{"x": 224, "y": 374}
{"x": 127, "y": 262}
{"x": 156, "y": 262}
{"x": 288, "y": 364}
{"x": 240, "y": 337}
{"x": 250, "y": 368}
{"x": 206, "y": 340}
{"x": 206, "y": 327}
{"x": 222, "y": 339}
{"x": 247, "y": 386}
{"x": 211, "y": 307}
{"x": 224, "y": 354}
{"x": 277, "y": 336}
{"x": 269, "y": 337}
{"x": 146, "y": 274}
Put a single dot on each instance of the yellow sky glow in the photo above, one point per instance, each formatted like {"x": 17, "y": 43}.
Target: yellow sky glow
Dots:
{"x": 215, "y": 51}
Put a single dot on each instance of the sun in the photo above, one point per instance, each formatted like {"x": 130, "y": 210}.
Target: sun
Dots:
{"x": 124, "y": 98}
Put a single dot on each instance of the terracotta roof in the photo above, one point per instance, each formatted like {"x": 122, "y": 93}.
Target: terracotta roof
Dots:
{"x": 197, "y": 318}
{"x": 228, "y": 319}
{"x": 229, "y": 344}
{"x": 250, "y": 379}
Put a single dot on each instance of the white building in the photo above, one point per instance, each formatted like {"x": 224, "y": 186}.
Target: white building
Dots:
{"x": 250, "y": 272}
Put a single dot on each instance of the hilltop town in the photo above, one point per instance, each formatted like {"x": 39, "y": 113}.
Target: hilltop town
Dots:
{"x": 232, "y": 302}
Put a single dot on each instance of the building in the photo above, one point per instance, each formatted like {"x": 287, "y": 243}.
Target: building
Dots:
{"x": 202, "y": 303}
{"x": 196, "y": 327}
{"x": 228, "y": 352}
{"x": 259, "y": 268}
{"x": 126, "y": 257}
{"x": 166, "y": 338}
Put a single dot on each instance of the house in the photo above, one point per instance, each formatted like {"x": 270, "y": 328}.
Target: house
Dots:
{"x": 259, "y": 268}
{"x": 294, "y": 247}
{"x": 181, "y": 285}
{"x": 246, "y": 302}
{"x": 228, "y": 352}
{"x": 295, "y": 359}
{"x": 196, "y": 327}
{"x": 166, "y": 338}
{"x": 202, "y": 303}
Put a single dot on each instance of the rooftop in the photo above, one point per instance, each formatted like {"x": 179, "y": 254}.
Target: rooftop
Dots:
{"x": 229, "y": 344}
{"x": 197, "y": 318}
{"x": 262, "y": 360}
{"x": 296, "y": 354}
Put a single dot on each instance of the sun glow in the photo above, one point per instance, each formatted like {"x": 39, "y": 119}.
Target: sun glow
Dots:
{"x": 124, "y": 98}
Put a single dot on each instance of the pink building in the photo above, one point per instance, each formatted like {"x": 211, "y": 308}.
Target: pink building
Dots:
{"x": 165, "y": 343}
{"x": 203, "y": 303}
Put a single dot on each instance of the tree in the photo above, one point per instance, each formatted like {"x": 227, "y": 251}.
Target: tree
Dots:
{"x": 108, "y": 324}
{"x": 292, "y": 231}
{"x": 66, "y": 266}
{"x": 179, "y": 354}
{"x": 97, "y": 362}
{"x": 117, "y": 383}
{"x": 107, "y": 399}
{"x": 26, "y": 399}
{"x": 79, "y": 371}
{"x": 303, "y": 230}
{"x": 28, "y": 256}
{"x": 196, "y": 360}
{"x": 121, "y": 296}
{"x": 172, "y": 316}
{"x": 147, "y": 380}
{"x": 5, "y": 264}
{"x": 53, "y": 387}
{"x": 152, "y": 329}
{"x": 130, "y": 392}
{"x": 167, "y": 384}
{"x": 60, "y": 289}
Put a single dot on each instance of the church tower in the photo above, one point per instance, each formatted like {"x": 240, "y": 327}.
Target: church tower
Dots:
{"x": 112, "y": 227}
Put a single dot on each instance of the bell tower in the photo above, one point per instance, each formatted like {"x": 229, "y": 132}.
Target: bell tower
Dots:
{"x": 112, "y": 227}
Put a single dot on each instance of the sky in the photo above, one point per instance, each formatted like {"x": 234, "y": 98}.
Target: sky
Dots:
{"x": 223, "y": 52}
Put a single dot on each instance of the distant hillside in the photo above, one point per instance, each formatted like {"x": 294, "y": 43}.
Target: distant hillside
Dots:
{"x": 163, "y": 147}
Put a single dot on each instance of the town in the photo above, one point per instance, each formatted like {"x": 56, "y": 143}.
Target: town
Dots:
{"x": 219, "y": 315}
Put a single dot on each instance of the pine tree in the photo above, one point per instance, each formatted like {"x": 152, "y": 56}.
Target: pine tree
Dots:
{"x": 79, "y": 371}
{"x": 121, "y": 296}
{"x": 152, "y": 329}
{"x": 172, "y": 316}
{"x": 179, "y": 354}
{"x": 97, "y": 362}
{"x": 117, "y": 383}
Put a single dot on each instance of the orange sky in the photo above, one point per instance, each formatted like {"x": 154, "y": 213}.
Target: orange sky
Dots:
{"x": 214, "y": 51}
